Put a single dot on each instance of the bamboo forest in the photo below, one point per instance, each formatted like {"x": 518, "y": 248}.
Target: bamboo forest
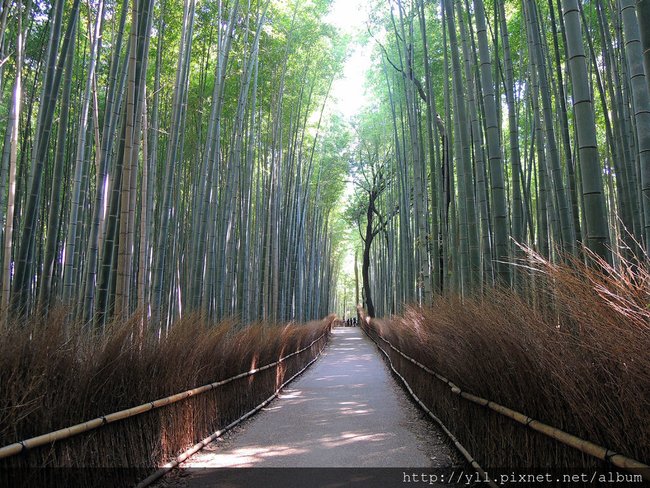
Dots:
{"x": 412, "y": 234}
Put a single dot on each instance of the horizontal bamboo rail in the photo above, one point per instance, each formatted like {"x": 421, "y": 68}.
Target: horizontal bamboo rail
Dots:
{"x": 452, "y": 437}
{"x": 200, "y": 445}
{"x": 67, "y": 432}
{"x": 584, "y": 446}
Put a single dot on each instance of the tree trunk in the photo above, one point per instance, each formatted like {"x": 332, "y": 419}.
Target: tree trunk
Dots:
{"x": 590, "y": 169}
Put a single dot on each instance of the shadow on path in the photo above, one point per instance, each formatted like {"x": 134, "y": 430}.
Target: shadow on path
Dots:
{"x": 345, "y": 411}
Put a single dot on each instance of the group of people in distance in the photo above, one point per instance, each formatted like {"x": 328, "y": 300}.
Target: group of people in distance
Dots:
{"x": 351, "y": 322}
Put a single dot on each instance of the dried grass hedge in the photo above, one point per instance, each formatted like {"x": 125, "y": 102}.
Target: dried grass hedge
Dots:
{"x": 48, "y": 382}
{"x": 571, "y": 352}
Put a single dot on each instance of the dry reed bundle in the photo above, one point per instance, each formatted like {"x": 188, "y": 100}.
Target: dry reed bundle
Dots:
{"x": 49, "y": 382}
{"x": 571, "y": 353}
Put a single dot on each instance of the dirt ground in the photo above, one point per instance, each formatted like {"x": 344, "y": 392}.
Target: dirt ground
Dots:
{"x": 346, "y": 411}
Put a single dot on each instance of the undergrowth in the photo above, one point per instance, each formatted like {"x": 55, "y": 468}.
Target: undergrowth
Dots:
{"x": 52, "y": 377}
{"x": 570, "y": 350}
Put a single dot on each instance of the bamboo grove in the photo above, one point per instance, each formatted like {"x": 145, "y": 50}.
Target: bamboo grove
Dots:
{"x": 496, "y": 126}
{"x": 167, "y": 156}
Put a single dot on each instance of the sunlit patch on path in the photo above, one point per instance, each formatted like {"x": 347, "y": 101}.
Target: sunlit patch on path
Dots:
{"x": 345, "y": 411}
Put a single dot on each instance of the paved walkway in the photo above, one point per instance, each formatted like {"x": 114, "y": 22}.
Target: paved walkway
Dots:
{"x": 345, "y": 411}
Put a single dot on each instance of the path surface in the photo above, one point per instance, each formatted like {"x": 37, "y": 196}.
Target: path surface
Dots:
{"x": 345, "y": 411}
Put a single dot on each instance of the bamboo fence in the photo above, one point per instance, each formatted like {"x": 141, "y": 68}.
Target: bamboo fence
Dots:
{"x": 74, "y": 430}
{"x": 582, "y": 445}
{"x": 200, "y": 445}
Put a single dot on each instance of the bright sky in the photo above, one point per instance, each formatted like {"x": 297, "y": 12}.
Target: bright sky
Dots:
{"x": 348, "y": 92}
